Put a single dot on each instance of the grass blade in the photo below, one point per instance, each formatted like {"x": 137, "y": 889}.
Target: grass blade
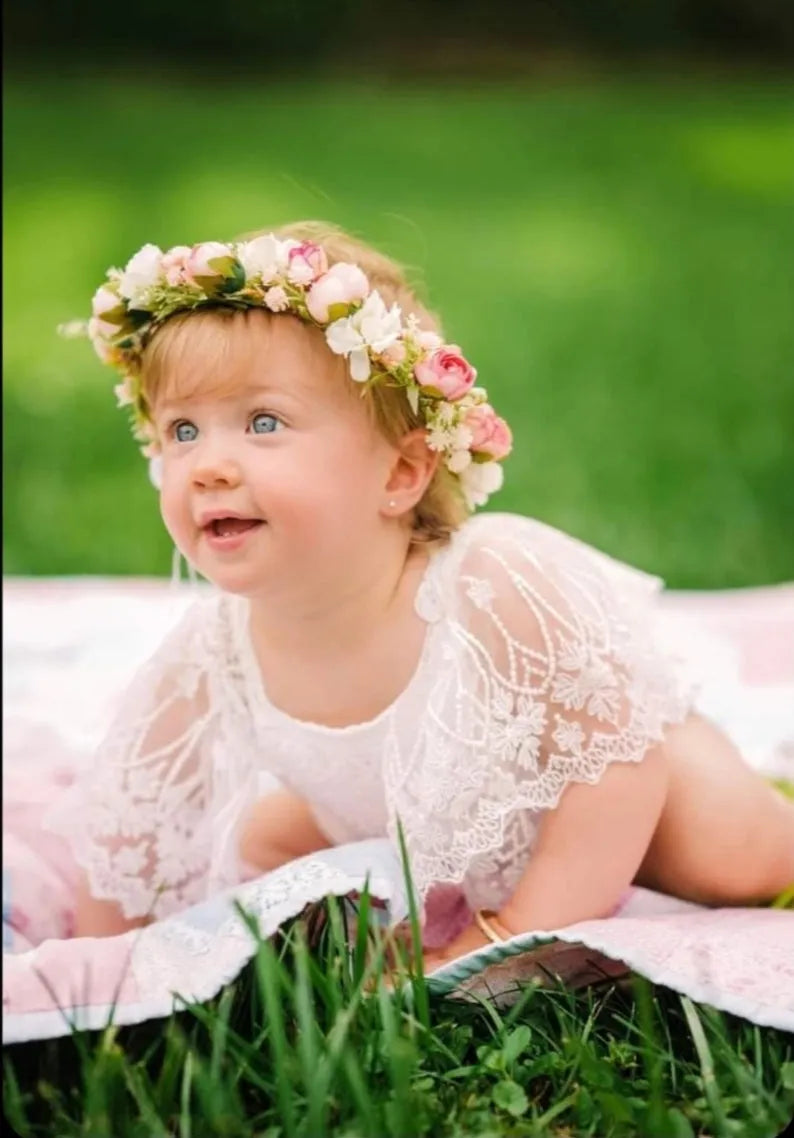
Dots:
{"x": 418, "y": 983}
{"x": 268, "y": 969}
{"x": 710, "y": 1088}
{"x": 307, "y": 1039}
{"x": 185, "y": 1118}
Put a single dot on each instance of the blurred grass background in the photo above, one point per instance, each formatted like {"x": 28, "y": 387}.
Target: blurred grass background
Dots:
{"x": 614, "y": 254}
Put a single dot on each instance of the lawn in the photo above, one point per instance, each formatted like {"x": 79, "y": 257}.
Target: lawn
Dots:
{"x": 615, "y": 257}
{"x": 309, "y": 1043}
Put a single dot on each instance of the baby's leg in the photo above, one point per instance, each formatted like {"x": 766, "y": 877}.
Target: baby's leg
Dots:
{"x": 725, "y": 835}
{"x": 279, "y": 828}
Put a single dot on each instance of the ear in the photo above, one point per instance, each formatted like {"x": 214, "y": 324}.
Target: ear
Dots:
{"x": 410, "y": 473}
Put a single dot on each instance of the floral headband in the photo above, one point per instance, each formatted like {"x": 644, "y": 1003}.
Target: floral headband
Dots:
{"x": 294, "y": 277}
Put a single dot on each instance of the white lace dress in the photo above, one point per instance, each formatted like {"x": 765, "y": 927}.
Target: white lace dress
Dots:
{"x": 541, "y": 665}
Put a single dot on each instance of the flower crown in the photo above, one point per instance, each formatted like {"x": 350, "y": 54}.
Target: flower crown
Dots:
{"x": 285, "y": 275}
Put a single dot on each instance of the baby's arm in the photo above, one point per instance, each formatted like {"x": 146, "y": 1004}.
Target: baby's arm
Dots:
{"x": 588, "y": 851}
{"x": 100, "y": 918}
{"x": 279, "y": 828}
{"x": 590, "y": 847}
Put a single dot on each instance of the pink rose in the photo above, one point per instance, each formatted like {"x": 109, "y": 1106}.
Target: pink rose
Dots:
{"x": 306, "y": 263}
{"x": 490, "y": 434}
{"x": 446, "y": 373}
{"x": 332, "y": 294}
{"x": 99, "y": 333}
{"x": 174, "y": 265}
{"x": 104, "y": 301}
{"x": 276, "y": 299}
{"x": 109, "y": 312}
{"x": 213, "y": 267}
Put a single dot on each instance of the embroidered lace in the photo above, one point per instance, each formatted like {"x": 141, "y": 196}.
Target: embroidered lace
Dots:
{"x": 541, "y": 666}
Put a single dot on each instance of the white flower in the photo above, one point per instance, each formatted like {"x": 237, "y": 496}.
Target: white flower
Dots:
{"x": 142, "y": 271}
{"x": 343, "y": 337}
{"x": 380, "y": 326}
{"x": 124, "y": 393}
{"x": 276, "y": 299}
{"x": 359, "y": 365}
{"x": 264, "y": 257}
{"x": 458, "y": 461}
{"x": 439, "y": 437}
{"x": 446, "y": 413}
{"x": 373, "y": 327}
{"x": 479, "y": 481}
{"x": 345, "y": 340}
{"x": 447, "y": 433}
{"x": 462, "y": 438}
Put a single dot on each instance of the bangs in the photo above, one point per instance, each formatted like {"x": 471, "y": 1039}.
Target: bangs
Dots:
{"x": 203, "y": 353}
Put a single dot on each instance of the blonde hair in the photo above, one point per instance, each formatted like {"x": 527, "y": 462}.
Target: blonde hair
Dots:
{"x": 442, "y": 509}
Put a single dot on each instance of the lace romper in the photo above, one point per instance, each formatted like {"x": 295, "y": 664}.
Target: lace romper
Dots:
{"x": 541, "y": 665}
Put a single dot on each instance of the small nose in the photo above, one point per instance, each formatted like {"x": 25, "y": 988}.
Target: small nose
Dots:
{"x": 213, "y": 469}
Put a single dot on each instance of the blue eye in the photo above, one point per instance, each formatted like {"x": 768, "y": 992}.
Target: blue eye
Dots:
{"x": 263, "y": 424}
{"x": 185, "y": 431}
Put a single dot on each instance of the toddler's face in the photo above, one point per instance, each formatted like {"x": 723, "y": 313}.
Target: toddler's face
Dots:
{"x": 272, "y": 471}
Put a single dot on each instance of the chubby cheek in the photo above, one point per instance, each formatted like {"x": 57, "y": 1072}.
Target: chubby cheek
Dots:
{"x": 331, "y": 493}
{"x": 175, "y": 515}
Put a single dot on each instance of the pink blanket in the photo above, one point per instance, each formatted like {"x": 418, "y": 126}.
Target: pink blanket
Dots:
{"x": 69, "y": 647}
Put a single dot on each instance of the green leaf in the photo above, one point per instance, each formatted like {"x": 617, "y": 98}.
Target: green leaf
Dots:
{"x": 511, "y": 1097}
{"x": 337, "y": 311}
{"x": 492, "y": 1059}
{"x": 233, "y": 273}
{"x": 117, "y": 315}
{"x": 678, "y": 1125}
{"x": 615, "y": 1107}
{"x": 516, "y": 1043}
{"x": 787, "y": 1076}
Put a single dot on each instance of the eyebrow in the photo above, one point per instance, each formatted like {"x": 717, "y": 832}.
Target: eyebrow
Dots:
{"x": 246, "y": 391}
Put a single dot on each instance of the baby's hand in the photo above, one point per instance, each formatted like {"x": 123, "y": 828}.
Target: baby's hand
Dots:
{"x": 399, "y": 949}
{"x": 468, "y": 941}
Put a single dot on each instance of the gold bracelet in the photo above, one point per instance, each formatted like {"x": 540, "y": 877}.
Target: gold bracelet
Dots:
{"x": 483, "y": 918}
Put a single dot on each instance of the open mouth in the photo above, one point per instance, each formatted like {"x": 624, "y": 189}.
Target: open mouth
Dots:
{"x": 231, "y": 527}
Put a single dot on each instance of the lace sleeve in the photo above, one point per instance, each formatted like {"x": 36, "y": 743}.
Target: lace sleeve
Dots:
{"x": 152, "y": 822}
{"x": 550, "y": 672}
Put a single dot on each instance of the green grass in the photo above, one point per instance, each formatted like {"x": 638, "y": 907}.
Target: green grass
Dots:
{"x": 309, "y": 1043}
{"x": 614, "y": 256}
